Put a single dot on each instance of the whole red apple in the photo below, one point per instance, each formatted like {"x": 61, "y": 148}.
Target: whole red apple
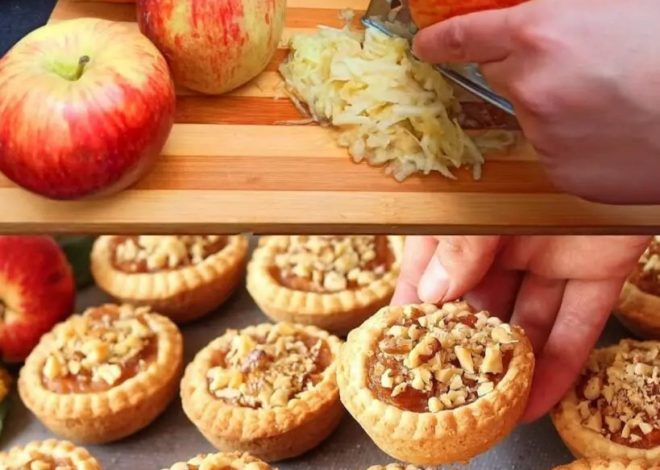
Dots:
{"x": 214, "y": 46}
{"x": 86, "y": 106}
{"x": 427, "y": 12}
{"x": 37, "y": 290}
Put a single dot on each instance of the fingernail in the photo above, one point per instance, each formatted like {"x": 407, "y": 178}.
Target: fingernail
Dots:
{"x": 434, "y": 283}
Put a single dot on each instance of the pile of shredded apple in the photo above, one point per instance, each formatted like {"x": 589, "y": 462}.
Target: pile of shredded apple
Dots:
{"x": 388, "y": 108}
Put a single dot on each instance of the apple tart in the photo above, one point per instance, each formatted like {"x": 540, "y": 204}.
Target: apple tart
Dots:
{"x": 48, "y": 455}
{"x": 103, "y": 375}
{"x": 269, "y": 390}
{"x": 435, "y": 385}
{"x": 222, "y": 461}
{"x": 639, "y": 303}
{"x": 333, "y": 282}
{"x": 603, "y": 464}
{"x": 182, "y": 277}
{"x": 612, "y": 410}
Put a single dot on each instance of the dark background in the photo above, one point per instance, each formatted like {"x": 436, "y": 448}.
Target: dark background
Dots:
{"x": 19, "y": 17}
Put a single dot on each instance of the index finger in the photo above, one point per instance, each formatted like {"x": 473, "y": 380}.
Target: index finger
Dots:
{"x": 417, "y": 253}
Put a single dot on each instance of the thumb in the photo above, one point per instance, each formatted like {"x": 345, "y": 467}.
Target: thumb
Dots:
{"x": 477, "y": 37}
{"x": 458, "y": 265}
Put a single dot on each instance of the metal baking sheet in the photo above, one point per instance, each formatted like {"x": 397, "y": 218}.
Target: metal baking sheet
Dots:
{"x": 172, "y": 438}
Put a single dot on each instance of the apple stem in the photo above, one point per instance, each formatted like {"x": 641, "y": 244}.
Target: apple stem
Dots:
{"x": 84, "y": 60}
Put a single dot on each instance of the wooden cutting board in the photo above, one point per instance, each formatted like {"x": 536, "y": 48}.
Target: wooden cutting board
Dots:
{"x": 229, "y": 166}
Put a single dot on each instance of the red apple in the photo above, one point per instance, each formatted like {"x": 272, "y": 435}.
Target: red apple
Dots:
{"x": 427, "y": 12}
{"x": 214, "y": 46}
{"x": 37, "y": 290}
{"x": 86, "y": 106}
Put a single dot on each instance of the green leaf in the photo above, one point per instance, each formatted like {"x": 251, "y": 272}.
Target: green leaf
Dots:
{"x": 4, "y": 408}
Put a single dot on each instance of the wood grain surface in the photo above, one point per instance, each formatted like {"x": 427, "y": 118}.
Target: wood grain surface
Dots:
{"x": 230, "y": 165}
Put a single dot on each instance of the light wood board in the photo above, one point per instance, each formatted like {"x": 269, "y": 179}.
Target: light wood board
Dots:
{"x": 228, "y": 166}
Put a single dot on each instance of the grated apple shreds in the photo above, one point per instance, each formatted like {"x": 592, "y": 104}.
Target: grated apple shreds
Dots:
{"x": 387, "y": 108}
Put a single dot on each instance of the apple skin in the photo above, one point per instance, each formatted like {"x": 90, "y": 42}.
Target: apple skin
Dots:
{"x": 213, "y": 46}
{"x": 64, "y": 138}
{"x": 428, "y": 12}
{"x": 37, "y": 290}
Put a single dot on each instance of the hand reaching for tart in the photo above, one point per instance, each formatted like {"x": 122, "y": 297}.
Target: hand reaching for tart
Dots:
{"x": 559, "y": 289}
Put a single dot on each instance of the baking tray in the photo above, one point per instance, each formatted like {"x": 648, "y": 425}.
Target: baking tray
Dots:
{"x": 172, "y": 437}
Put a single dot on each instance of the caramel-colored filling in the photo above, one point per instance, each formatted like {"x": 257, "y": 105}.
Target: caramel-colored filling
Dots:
{"x": 100, "y": 350}
{"x": 38, "y": 461}
{"x": 442, "y": 360}
{"x": 646, "y": 275}
{"x": 146, "y": 253}
{"x": 268, "y": 371}
{"x": 332, "y": 263}
{"x": 619, "y": 394}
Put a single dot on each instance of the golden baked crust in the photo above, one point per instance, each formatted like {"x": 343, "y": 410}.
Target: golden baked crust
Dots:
{"x": 638, "y": 307}
{"x": 182, "y": 293}
{"x": 222, "y": 461}
{"x": 102, "y": 397}
{"x": 462, "y": 409}
{"x": 285, "y": 416}
{"x": 611, "y": 411}
{"x": 336, "y": 309}
{"x": 603, "y": 464}
{"x": 40, "y": 456}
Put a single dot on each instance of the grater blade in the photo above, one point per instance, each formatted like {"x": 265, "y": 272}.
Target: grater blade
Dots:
{"x": 393, "y": 19}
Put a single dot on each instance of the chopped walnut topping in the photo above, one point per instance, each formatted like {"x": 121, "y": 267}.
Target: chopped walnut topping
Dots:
{"x": 619, "y": 393}
{"x": 329, "y": 263}
{"x": 432, "y": 359}
{"x": 267, "y": 372}
{"x": 222, "y": 461}
{"x": 159, "y": 252}
{"x": 99, "y": 347}
{"x": 34, "y": 460}
{"x": 647, "y": 274}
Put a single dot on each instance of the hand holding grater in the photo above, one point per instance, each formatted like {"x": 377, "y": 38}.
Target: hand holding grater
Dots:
{"x": 393, "y": 18}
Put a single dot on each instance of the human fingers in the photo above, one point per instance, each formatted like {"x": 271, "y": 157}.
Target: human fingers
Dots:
{"x": 477, "y": 37}
{"x": 417, "y": 253}
{"x": 496, "y": 292}
{"x": 537, "y": 306}
{"x": 458, "y": 264}
{"x": 585, "y": 308}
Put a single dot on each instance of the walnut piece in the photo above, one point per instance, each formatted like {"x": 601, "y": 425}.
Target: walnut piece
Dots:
{"x": 269, "y": 371}
{"x": 35, "y": 460}
{"x": 330, "y": 263}
{"x": 650, "y": 261}
{"x": 449, "y": 356}
{"x": 159, "y": 252}
{"x": 96, "y": 345}
{"x": 222, "y": 461}
{"x": 619, "y": 392}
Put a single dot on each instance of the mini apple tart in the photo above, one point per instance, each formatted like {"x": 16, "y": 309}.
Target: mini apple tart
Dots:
{"x": 612, "y": 411}
{"x": 606, "y": 464}
{"x": 639, "y": 303}
{"x": 435, "y": 385}
{"x": 333, "y": 282}
{"x": 48, "y": 455}
{"x": 269, "y": 390}
{"x": 221, "y": 461}
{"x": 182, "y": 277}
{"x": 103, "y": 375}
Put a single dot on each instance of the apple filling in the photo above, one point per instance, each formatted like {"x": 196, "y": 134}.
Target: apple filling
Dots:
{"x": 154, "y": 253}
{"x": 269, "y": 370}
{"x": 646, "y": 275}
{"x": 619, "y": 394}
{"x": 5, "y": 383}
{"x": 100, "y": 349}
{"x": 331, "y": 263}
{"x": 222, "y": 461}
{"x": 35, "y": 460}
{"x": 432, "y": 359}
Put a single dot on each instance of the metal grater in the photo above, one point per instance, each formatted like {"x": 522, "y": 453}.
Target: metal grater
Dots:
{"x": 382, "y": 14}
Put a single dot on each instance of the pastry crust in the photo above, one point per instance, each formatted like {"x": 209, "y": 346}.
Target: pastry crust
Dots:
{"x": 432, "y": 438}
{"x": 602, "y": 464}
{"x": 639, "y": 311}
{"x": 336, "y": 312}
{"x": 16, "y": 458}
{"x": 182, "y": 294}
{"x": 584, "y": 442}
{"x": 222, "y": 461}
{"x": 97, "y": 417}
{"x": 272, "y": 433}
